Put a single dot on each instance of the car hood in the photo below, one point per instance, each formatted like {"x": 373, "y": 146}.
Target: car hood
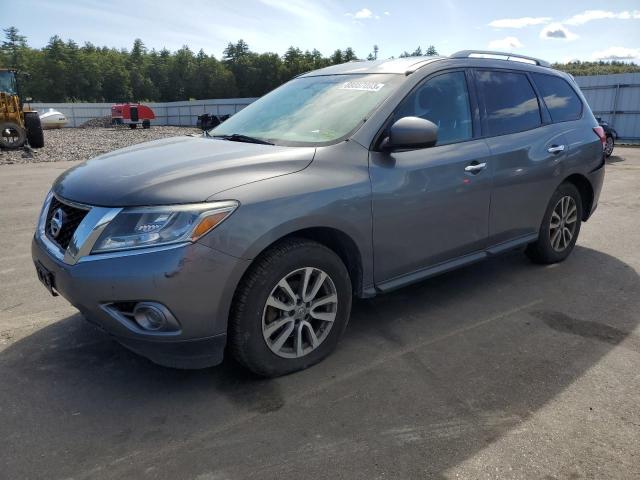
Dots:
{"x": 176, "y": 170}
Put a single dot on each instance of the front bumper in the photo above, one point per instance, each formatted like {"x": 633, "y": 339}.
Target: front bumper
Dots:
{"x": 195, "y": 282}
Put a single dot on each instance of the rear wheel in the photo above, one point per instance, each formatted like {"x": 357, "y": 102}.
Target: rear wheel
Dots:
{"x": 291, "y": 308}
{"x": 146, "y": 124}
{"x": 608, "y": 146}
{"x": 560, "y": 226}
{"x": 12, "y": 135}
{"x": 133, "y": 126}
{"x": 35, "y": 136}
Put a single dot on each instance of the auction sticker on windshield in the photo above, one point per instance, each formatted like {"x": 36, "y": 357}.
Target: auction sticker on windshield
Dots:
{"x": 365, "y": 86}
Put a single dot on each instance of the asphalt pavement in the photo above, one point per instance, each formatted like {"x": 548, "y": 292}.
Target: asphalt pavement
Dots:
{"x": 503, "y": 369}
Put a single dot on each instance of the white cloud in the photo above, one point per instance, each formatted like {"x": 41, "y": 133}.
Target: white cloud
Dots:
{"x": 590, "y": 15}
{"x": 519, "y": 22}
{"x": 557, "y": 31}
{"x": 617, "y": 53}
{"x": 507, "y": 43}
{"x": 361, "y": 14}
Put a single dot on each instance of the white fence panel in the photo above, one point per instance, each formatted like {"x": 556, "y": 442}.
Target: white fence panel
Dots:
{"x": 167, "y": 113}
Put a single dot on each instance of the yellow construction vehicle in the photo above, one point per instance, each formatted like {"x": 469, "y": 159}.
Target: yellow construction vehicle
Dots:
{"x": 18, "y": 125}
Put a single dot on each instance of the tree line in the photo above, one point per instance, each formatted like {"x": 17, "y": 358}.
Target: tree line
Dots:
{"x": 63, "y": 71}
{"x": 578, "y": 68}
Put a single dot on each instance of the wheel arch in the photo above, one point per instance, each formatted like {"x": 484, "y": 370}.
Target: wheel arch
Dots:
{"x": 341, "y": 243}
{"x": 585, "y": 188}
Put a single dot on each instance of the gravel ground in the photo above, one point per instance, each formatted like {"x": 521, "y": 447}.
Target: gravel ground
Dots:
{"x": 84, "y": 143}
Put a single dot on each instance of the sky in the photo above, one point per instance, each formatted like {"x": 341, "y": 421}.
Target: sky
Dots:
{"x": 553, "y": 30}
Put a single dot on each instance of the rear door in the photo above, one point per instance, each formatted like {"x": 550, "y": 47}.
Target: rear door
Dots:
{"x": 526, "y": 151}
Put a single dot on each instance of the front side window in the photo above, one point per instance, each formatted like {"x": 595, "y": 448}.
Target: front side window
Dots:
{"x": 444, "y": 100}
{"x": 561, "y": 100}
{"x": 511, "y": 104}
{"x": 312, "y": 110}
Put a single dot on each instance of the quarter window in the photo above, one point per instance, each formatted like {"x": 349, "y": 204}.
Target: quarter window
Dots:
{"x": 444, "y": 100}
{"x": 561, "y": 100}
{"x": 511, "y": 104}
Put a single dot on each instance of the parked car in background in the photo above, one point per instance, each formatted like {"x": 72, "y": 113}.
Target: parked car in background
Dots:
{"x": 611, "y": 134}
{"x": 352, "y": 180}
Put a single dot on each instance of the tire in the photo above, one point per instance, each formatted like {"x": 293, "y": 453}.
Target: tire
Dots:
{"x": 549, "y": 248}
{"x": 35, "y": 135}
{"x": 146, "y": 124}
{"x": 133, "y": 126}
{"x": 608, "y": 146}
{"x": 12, "y": 135}
{"x": 250, "y": 316}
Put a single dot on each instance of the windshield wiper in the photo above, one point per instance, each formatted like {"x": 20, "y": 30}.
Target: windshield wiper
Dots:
{"x": 237, "y": 137}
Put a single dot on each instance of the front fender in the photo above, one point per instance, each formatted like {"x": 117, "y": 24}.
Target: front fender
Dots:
{"x": 334, "y": 192}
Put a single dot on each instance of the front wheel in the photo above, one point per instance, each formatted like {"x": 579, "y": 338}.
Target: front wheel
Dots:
{"x": 560, "y": 226}
{"x": 290, "y": 309}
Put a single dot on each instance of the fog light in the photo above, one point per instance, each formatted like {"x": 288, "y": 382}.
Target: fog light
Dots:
{"x": 149, "y": 316}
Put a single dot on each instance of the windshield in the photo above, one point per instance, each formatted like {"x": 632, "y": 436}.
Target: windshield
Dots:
{"x": 8, "y": 83}
{"x": 312, "y": 110}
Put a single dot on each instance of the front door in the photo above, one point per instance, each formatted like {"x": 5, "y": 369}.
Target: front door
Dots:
{"x": 431, "y": 205}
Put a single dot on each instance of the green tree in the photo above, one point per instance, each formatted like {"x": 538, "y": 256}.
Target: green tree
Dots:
{"x": 55, "y": 70}
{"x": 349, "y": 55}
{"x": 336, "y": 58}
{"x": 239, "y": 59}
{"x": 116, "y": 86}
{"x": 138, "y": 65}
{"x": 14, "y": 48}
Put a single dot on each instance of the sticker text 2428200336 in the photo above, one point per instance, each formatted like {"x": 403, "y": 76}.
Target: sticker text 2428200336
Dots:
{"x": 363, "y": 86}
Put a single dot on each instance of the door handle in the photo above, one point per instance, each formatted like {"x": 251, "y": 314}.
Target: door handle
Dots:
{"x": 556, "y": 149}
{"x": 475, "y": 167}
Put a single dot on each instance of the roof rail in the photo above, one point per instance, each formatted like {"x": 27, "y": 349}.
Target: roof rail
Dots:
{"x": 500, "y": 56}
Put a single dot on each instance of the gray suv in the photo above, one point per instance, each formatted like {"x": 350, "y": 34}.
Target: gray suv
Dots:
{"x": 352, "y": 180}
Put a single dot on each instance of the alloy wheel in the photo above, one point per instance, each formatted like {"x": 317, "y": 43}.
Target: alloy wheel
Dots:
{"x": 562, "y": 227}
{"x": 299, "y": 312}
{"x": 608, "y": 147}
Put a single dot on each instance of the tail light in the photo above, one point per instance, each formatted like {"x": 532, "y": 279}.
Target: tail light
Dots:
{"x": 599, "y": 131}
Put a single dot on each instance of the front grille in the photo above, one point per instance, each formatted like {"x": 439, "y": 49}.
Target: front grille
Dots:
{"x": 72, "y": 216}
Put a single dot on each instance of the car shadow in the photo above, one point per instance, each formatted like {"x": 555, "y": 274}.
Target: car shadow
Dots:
{"x": 425, "y": 378}
{"x": 614, "y": 159}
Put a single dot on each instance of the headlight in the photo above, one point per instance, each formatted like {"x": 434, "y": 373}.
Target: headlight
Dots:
{"x": 139, "y": 227}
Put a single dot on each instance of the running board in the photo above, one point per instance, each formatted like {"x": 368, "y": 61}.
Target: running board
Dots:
{"x": 423, "y": 274}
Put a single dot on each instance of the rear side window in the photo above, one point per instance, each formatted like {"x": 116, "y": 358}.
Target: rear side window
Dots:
{"x": 511, "y": 104}
{"x": 561, "y": 100}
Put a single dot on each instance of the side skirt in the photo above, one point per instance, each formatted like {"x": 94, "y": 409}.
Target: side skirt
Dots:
{"x": 422, "y": 274}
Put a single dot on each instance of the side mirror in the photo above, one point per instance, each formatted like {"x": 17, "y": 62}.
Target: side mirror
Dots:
{"x": 411, "y": 132}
